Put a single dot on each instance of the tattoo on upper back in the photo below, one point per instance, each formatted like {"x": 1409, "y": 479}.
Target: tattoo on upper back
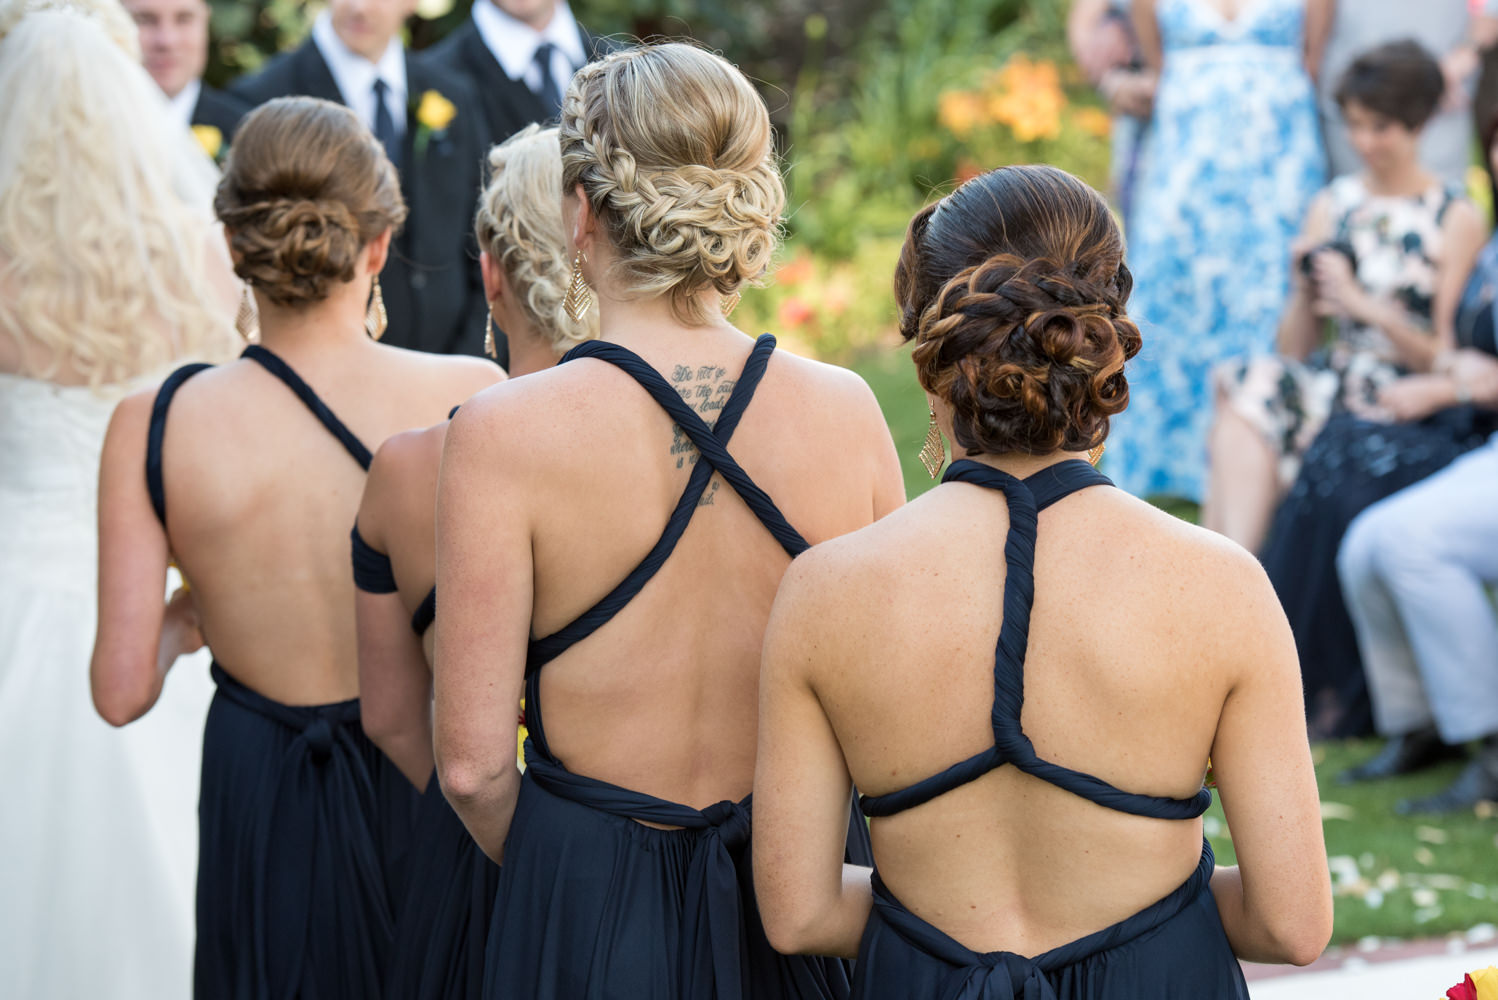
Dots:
{"x": 705, "y": 388}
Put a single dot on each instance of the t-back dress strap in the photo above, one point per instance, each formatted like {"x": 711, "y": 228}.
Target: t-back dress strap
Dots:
{"x": 156, "y": 434}
{"x": 1011, "y": 746}
{"x": 281, "y": 370}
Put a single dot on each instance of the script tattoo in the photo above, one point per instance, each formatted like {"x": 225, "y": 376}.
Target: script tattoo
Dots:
{"x": 705, "y": 388}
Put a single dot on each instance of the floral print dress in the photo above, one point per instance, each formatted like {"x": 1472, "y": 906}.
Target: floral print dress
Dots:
{"x": 1230, "y": 162}
{"x": 1397, "y": 242}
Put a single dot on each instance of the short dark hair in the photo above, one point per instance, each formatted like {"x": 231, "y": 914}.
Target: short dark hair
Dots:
{"x": 1013, "y": 289}
{"x": 1399, "y": 80}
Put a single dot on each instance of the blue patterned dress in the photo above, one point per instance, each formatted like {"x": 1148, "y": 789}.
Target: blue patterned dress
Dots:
{"x": 1231, "y": 161}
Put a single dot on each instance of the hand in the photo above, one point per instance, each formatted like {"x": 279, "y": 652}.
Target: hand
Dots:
{"x": 1415, "y": 397}
{"x": 1478, "y": 372}
{"x": 180, "y": 632}
{"x": 1129, "y": 93}
{"x": 1457, "y": 68}
{"x": 1337, "y": 290}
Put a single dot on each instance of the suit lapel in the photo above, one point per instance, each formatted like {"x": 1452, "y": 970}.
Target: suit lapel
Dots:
{"x": 497, "y": 91}
{"x": 312, "y": 76}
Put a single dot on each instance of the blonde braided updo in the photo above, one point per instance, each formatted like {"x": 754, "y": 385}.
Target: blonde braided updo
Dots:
{"x": 1013, "y": 289}
{"x": 672, "y": 146}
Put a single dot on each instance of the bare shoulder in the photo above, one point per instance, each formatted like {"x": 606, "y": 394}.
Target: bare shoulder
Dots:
{"x": 879, "y": 558}
{"x": 1463, "y": 220}
{"x": 408, "y": 453}
{"x": 822, "y": 387}
{"x": 467, "y": 374}
{"x": 129, "y": 421}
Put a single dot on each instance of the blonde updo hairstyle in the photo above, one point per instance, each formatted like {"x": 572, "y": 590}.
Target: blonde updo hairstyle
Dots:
{"x": 306, "y": 188}
{"x": 519, "y": 224}
{"x": 673, "y": 148}
{"x": 1013, "y": 289}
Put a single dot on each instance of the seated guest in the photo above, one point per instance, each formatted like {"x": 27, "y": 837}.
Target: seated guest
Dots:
{"x": 1051, "y": 846}
{"x": 442, "y": 926}
{"x": 1415, "y": 570}
{"x": 429, "y": 123}
{"x": 252, "y": 475}
{"x": 607, "y": 538}
{"x": 519, "y": 57}
{"x": 174, "y": 48}
{"x": 1383, "y": 256}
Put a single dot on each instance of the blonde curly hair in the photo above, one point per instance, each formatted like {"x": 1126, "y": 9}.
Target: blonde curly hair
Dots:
{"x": 106, "y": 234}
{"x": 519, "y": 224}
{"x": 673, "y": 148}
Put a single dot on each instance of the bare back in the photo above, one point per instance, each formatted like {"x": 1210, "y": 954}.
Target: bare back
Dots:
{"x": 1124, "y": 679}
{"x": 260, "y": 499}
{"x": 663, "y": 697}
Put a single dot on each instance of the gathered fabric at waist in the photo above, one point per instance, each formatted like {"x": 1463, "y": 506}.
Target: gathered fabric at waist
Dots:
{"x": 320, "y": 726}
{"x": 1003, "y": 975}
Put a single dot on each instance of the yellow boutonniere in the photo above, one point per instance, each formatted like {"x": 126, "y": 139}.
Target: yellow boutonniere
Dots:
{"x": 435, "y": 112}
{"x": 210, "y": 138}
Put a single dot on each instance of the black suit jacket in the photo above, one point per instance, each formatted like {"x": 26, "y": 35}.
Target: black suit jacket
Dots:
{"x": 432, "y": 287}
{"x": 222, "y": 111}
{"x": 509, "y": 105}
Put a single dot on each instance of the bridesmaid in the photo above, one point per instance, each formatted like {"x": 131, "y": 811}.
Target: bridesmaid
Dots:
{"x": 1050, "y": 846}
{"x": 625, "y": 842}
{"x": 301, "y": 817}
{"x": 440, "y": 930}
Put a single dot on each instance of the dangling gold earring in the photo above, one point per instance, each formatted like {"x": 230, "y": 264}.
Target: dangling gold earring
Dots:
{"x": 375, "y": 317}
{"x": 934, "y": 451}
{"x": 579, "y": 296}
{"x": 729, "y": 303}
{"x": 247, "y": 319}
{"x": 1096, "y": 455}
{"x": 489, "y": 347}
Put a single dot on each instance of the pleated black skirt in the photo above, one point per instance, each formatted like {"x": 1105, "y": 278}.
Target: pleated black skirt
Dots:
{"x": 304, "y": 834}
{"x": 1174, "y": 949}
{"x": 443, "y": 926}
{"x": 594, "y": 906}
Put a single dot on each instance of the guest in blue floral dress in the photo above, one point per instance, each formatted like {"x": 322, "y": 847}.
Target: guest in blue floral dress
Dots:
{"x": 1232, "y": 158}
{"x": 1383, "y": 259}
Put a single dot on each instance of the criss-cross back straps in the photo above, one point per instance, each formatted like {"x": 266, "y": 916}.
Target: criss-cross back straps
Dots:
{"x": 1011, "y": 745}
{"x": 711, "y": 444}
{"x": 156, "y": 433}
{"x": 281, "y": 370}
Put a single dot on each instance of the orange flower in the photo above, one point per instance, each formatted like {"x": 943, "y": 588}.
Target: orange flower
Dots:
{"x": 796, "y": 270}
{"x": 1093, "y": 121}
{"x": 967, "y": 170}
{"x": 960, "y": 111}
{"x": 795, "y": 313}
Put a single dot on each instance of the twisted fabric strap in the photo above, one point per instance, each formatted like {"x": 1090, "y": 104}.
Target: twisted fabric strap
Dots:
{"x": 156, "y": 434}
{"x": 281, "y": 370}
{"x": 1003, "y": 975}
{"x": 713, "y": 932}
{"x": 321, "y": 798}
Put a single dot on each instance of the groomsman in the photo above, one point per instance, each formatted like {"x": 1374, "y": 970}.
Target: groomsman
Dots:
{"x": 431, "y": 126}
{"x": 519, "y": 56}
{"x": 174, "y": 48}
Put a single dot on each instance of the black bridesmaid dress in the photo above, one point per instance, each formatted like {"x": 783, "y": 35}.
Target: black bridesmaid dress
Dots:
{"x": 594, "y": 905}
{"x": 443, "y": 923}
{"x": 1173, "y": 949}
{"x": 304, "y": 826}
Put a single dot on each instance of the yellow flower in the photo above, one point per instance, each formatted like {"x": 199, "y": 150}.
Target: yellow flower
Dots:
{"x": 1486, "y": 981}
{"x": 210, "y": 138}
{"x": 959, "y": 111}
{"x": 435, "y": 112}
{"x": 1094, "y": 121}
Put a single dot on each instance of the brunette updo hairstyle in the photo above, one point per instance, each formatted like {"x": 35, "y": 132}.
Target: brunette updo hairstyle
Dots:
{"x": 1399, "y": 80}
{"x": 1013, "y": 289}
{"x": 307, "y": 186}
{"x": 672, "y": 146}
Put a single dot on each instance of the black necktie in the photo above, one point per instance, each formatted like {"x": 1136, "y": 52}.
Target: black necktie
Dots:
{"x": 549, "y": 92}
{"x": 384, "y": 125}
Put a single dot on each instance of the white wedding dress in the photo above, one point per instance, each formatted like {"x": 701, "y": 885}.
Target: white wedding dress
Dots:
{"x": 98, "y": 826}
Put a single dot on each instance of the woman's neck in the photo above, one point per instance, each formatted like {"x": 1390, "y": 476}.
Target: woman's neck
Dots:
{"x": 630, "y": 321}
{"x": 336, "y": 321}
{"x": 1018, "y": 464}
{"x": 1404, "y": 180}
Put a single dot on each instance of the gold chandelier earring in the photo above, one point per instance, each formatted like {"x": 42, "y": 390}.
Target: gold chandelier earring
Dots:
{"x": 579, "y": 296}
{"x": 1096, "y": 454}
{"x": 489, "y": 346}
{"x": 375, "y": 317}
{"x": 728, "y": 303}
{"x": 934, "y": 451}
{"x": 247, "y": 319}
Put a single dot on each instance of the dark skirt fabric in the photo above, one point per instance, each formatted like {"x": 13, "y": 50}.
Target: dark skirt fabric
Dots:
{"x": 443, "y": 926}
{"x": 593, "y": 905}
{"x": 1174, "y": 949}
{"x": 304, "y": 832}
{"x": 1352, "y": 464}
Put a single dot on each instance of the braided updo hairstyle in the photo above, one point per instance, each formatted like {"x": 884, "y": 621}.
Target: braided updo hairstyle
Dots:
{"x": 307, "y": 186}
{"x": 672, "y": 146}
{"x": 1013, "y": 289}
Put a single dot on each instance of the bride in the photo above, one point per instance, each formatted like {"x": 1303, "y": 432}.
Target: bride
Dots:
{"x": 110, "y": 272}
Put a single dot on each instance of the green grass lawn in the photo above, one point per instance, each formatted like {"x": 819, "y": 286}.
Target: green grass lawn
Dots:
{"x": 1394, "y": 877}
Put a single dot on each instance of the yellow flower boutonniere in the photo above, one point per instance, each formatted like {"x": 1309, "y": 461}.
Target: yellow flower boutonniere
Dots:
{"x": 210, "y": 138}
{"x": 434, "y": 113}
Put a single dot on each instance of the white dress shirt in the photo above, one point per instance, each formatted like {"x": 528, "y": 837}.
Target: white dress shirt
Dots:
{"x": 185, "y": 103}
{"x": 514, "y": 43}
{"x": 356, "y": 75}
